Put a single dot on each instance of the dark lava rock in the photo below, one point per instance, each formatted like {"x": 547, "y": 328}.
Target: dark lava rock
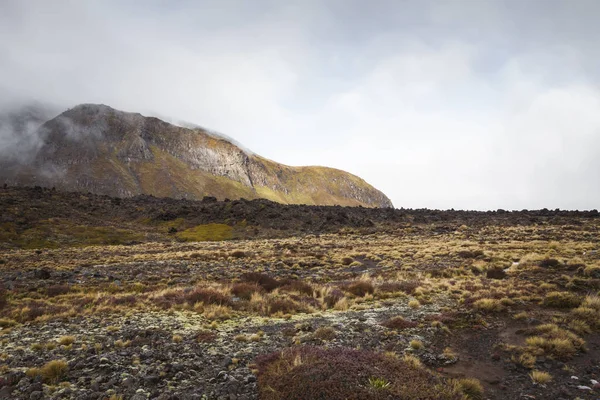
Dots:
{"x": 152, "y": 379}
{"x": 36, "y": 395}
{"x": 43, "y": 273}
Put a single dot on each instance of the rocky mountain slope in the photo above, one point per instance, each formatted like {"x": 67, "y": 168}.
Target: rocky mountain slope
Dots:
{"x": 94, "y": 148}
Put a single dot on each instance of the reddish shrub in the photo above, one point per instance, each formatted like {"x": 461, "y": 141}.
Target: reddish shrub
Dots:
{"x": 3, "y": 298}
{"x": 39, "y": 308}
{"x": 407, "y": 287}
{"x": 297, "y": 286}
{"x": 285, "y": 306}
{"x": 56, "y": 290}
{"x": 206, "y": 296}
{"x": 205, "y": 336}
{"x": 361, "y": 288}
{"x": 245, "y": 290}
{"x": 333, "y": 297}
{"x": 263, "y": 280}
{"x": 129, "y": 299}
{"x": 344, "y": 374}
{"x": 307, "y": 300}
{"x": 398, "y": 323}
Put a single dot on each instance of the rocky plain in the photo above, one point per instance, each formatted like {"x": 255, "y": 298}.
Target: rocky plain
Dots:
{"x": 150, "y": 298}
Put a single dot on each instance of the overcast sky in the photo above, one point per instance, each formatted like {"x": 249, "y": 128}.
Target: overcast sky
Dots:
{"x": 473, "y": 104}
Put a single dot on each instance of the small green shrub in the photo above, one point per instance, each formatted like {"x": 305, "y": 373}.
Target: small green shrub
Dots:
{"x": 378, "y": 383}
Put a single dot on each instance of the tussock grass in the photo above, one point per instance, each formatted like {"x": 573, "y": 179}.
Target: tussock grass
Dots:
{"x": 471, "y": 388}
{"x": 540, "y": 377}
{"x": 561, "y": 300}
{"x": 488, "y": 305}
{"x": 52, "y": 372}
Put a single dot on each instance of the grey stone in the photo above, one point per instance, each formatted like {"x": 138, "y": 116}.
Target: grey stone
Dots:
{"x": 36, "y": 395}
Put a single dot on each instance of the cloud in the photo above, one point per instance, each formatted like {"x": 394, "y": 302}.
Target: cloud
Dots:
{"x": 463, "y": 104}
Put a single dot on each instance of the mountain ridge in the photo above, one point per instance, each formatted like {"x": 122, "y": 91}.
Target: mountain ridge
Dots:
{"x": 102, "y": 150}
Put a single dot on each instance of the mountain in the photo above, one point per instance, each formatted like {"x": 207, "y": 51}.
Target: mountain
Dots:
{"x": 95, "y": 148}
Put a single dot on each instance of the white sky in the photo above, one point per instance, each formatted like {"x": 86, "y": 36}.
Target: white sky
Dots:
{"x": 473, "y": 104}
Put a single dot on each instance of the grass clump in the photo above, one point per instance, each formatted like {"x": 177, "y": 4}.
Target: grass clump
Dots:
{"x": 281, "y": 306}
{"x": 36, "y": 347}
{"x": 361, "y": 288}
{"x": 588, "y": 313}
{"x": 52, "y": 372}
{"x": 325, "y": 333}
{"x": 240, "y": 338}
{"x": 177, "y": 339}
{"x": 592, "y": 270}
{"x": 206, "y": 296}
{"x": 488, "y": 305}
{"x": 592, "y": 301}
{"x": 561, "y": 300}
{"x": 66, "y": 340}
{"x": 342, "y": 304}
{"x": 553, "y": 340}
{"x": 471, "y": 388}
{"x": 414, "y": 304}
{"x": 540, "y": 377}
{"x": 521, "y": 316}
{"x": 378, "y": 383}
{"x": 412, "y": 360}
{"x": 245, "y": 290}
{"x": 121, "y": 344}
{"x": 416, "y": 344}
{"x": 525, "y": 359}
{"x": 7, "y": 323}
{"x": 216, "y": 312}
